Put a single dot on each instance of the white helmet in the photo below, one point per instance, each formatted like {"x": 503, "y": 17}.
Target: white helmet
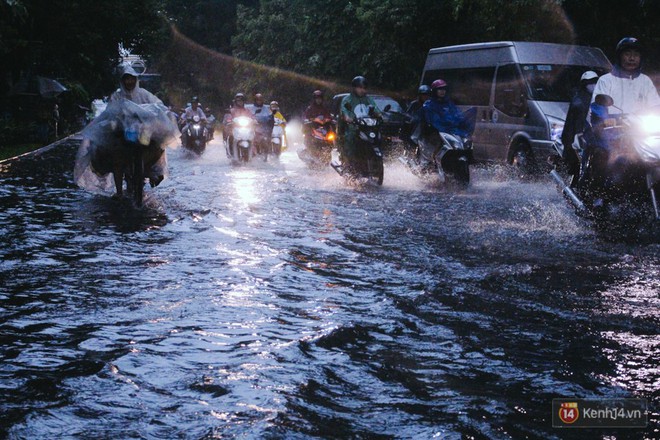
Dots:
{"x": 589, "y": 75}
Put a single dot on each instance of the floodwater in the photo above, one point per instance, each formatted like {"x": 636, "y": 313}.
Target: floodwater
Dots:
{"x": 269, "y": 301}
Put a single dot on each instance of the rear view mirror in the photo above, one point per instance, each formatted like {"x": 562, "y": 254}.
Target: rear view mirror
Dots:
{"x": 387, "y": 108}
{"x": 604, "y": 100}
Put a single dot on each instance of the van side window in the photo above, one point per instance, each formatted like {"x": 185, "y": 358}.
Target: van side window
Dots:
{"x": 466, "y": 86}
{"x": 509, "y": 91}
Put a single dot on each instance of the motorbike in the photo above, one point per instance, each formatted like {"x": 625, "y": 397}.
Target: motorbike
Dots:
{"x": 196, "y": 135}
{"x": 319, "y": 143}
{"x": 442, "y": 154}
{"x": 129, "y": 158}
{"x": 368, "y": 160}
{"x": 620, "y": 175}
{"x": 240, "y": 143}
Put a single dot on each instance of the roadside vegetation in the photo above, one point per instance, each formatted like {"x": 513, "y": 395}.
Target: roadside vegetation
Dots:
{"x": 282, "y": 48}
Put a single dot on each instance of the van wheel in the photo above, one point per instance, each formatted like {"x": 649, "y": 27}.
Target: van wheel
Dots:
{"x": 523, "y": 158}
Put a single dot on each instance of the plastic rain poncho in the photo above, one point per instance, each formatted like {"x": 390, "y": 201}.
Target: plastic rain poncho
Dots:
{"x": 103, "y": 139}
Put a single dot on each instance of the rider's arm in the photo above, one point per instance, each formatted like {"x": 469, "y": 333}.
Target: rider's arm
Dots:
{"x": 377, "y": 112}
{"x": 346, "y": 114}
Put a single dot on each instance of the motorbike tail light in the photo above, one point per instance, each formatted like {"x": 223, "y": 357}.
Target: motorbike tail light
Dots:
{"x": 330, "y": 137}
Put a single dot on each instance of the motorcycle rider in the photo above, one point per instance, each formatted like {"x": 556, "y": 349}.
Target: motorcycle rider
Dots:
{"x": 359, "y": 105}
{"x": 238, "y": 109}
{"x": 129, "y": 88}
{"x": 415, "y": 115}
{"x": 629, "y": 88}
{"x": 575, "y": 122}
{"x": 105, "y": 157}
{"x": 440, "y": 115}
{"x": 265, "y": 122}
{"x": 624, "y": 90}
{"x": 187, "y": 117}
{"x": 315, "y": 109}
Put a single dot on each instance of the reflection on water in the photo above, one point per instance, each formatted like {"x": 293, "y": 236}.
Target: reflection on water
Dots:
{"x": 266, "y": 301}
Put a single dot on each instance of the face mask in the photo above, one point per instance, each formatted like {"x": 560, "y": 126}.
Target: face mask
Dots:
{"x": 591, "y": 88}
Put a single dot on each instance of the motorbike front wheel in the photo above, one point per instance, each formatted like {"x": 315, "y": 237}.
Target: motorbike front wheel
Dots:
{"x": 136, "y": 182}
{"x": 376, "y": 169}
{"x": 462, "y": 174}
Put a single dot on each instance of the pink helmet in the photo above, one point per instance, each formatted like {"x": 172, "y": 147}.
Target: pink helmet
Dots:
{"x": 438, "y": 84}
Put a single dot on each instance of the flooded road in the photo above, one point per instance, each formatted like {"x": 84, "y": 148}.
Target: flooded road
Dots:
{"x": 267, "y": 301}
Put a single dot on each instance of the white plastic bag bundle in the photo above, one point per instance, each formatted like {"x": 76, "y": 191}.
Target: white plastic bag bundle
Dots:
{"x": 104, "y": 138}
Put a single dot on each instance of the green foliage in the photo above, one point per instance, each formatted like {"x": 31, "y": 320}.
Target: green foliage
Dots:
{"x": 286, "y": 48}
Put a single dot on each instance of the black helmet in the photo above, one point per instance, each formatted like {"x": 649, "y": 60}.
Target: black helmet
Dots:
{"x": 424, "y": 90}
{"x": 195, "y": 99}
{"x": 359, "y": 81}
{"x": 627, "y": 43}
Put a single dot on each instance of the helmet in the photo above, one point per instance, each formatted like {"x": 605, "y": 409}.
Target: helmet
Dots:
{"x": 359, "y": 81}
{"x": 627, "y": 43}
{"x": 194, "y": 100}
{"x": 274, "y": 104}
{"x": 589, "y": 76}
{"x": 438, "y": 84}
{"x": 424, "y": 90}
{"x": 239, "y": 96}
{"x": 318, "y": 94}
{"x": 126, "y": 69}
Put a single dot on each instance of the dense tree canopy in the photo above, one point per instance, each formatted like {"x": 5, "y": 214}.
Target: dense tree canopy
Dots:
{"x": 286, "y": 47}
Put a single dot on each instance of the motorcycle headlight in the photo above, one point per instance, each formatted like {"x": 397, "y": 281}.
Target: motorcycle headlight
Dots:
{"x": 242, "y": 121}
{"x": 650, "y": 124}
{"x": 556, "y": 128}
{"x": 196, "y": 127}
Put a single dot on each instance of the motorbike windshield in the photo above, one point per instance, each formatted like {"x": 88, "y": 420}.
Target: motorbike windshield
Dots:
{"x": 361, "y": 111}
{"x": 554, "y": 82}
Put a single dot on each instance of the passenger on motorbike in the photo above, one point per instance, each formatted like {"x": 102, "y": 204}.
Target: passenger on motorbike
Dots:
{"x": 279, "y": 120}
{"x": 187, "y": 117}
{"x": 265, "y": 122}
{"x": 359, "y": 105}
{"x": 415, "y": 114}
{"x": 575, "y": 122}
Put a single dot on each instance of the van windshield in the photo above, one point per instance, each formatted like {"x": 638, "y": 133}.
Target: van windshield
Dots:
{"x": 554, "y": 82}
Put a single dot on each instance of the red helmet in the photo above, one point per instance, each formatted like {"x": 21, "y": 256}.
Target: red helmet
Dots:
{"x": 438, "y": 84}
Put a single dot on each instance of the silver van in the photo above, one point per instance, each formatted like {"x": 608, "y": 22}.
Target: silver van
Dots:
{"x": 521, "y": 90}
